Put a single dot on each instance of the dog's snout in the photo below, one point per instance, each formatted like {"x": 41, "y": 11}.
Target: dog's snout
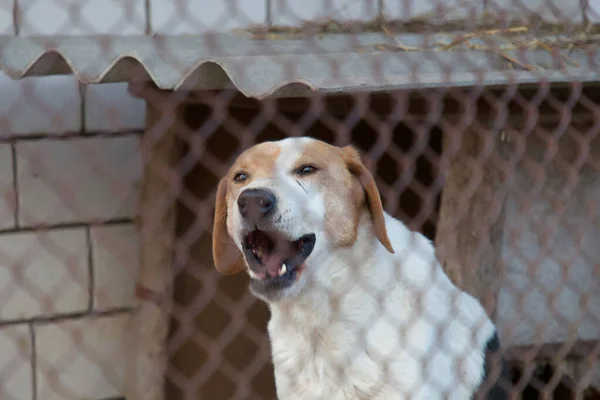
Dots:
{"x": 256, "y": 204}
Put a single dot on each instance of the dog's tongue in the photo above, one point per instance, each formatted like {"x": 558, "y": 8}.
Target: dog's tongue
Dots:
{"x": 273, "y": 264}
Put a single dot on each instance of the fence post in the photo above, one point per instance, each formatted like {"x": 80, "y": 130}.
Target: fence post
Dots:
{"x": 150, "y": 324}
{"x": 469, "y": 230}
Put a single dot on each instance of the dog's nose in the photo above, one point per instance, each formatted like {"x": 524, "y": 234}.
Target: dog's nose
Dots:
{"x": 256, "y": 204}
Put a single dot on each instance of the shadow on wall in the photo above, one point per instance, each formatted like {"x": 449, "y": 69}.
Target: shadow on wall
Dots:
{"x": 542, "y": 381}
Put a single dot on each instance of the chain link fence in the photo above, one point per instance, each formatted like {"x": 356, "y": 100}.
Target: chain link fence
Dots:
{"x": 478, "y": 121}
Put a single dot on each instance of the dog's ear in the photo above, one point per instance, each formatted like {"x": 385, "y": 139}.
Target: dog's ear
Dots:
{"x": 360, "y": 171}
{"x": 226, "y": 255}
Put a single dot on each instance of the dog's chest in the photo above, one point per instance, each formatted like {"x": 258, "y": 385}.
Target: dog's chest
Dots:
{"x": 324, "y": 365}
{"x": 366, "y": 350}
{"x": 344, "y": 358}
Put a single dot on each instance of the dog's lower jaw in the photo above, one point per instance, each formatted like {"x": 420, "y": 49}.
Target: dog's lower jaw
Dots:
{"x": 276, "y": 263}
{"x": 284, "y": 295}
{"x": 270, "y": 297}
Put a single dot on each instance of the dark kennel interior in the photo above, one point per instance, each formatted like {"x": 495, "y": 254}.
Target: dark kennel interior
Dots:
{"x": 400, "y": 180}
{"x": 218, "y": 346}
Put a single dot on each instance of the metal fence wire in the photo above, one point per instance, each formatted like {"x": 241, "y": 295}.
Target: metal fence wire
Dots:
{"x": 437, "y": 238}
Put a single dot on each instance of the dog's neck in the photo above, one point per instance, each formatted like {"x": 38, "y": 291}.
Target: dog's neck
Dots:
{"x": 336, "y": 273}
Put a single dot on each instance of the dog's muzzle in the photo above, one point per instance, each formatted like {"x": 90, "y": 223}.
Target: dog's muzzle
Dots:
{"x": 275, "y": 260}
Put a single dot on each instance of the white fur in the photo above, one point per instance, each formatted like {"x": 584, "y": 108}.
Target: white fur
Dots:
{"x": 359, "y": 310}
{"x": 311, "y": 340}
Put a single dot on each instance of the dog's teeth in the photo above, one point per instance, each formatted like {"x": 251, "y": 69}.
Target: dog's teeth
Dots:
{"x": 283, "y": 269}
{"x": 253, "y": 274}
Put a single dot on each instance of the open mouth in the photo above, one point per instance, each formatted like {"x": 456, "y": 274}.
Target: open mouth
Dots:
{"x": 275, "y": 259}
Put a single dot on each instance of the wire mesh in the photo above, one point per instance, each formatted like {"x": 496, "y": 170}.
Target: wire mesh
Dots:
{"x": 476, "y": 122}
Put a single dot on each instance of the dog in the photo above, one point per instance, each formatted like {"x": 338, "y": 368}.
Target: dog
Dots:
{"x": 360, "y": 307}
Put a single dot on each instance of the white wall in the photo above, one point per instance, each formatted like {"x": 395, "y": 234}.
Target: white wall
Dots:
{"x": 131, "y": 17}
{"x": 551, "y": 288}
{"x": 68, "y": 246}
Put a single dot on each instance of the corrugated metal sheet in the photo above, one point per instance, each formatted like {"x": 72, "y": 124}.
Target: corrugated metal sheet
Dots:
{"x": 259, "y": 68}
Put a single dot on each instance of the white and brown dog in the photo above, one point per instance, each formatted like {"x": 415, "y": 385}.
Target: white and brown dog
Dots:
{"x": 360, "y": 307}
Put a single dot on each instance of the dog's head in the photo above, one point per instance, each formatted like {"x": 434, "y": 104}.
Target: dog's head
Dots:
{"x": 283, "y": 203}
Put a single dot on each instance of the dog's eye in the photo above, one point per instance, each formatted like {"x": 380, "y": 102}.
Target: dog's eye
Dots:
{"x": 306, "y": 170}
{"x": 240, "y": 177}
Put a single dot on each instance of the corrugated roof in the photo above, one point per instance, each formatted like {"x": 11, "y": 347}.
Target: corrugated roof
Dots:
{"x": 329, "y": 64}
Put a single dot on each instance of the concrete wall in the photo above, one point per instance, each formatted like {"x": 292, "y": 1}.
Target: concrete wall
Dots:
{"x": 69, "y": 173}
{"x": 138, "y": 17}
{"x": 551, "y": 287}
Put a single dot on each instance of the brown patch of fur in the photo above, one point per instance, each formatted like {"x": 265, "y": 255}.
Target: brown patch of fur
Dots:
{"x": 348, "y": 187}
{"x": 257, "y": 162}
{"x": 341, "y": 193}
{"x": 373, "y": 200}
{"x": 227, "y": 257}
